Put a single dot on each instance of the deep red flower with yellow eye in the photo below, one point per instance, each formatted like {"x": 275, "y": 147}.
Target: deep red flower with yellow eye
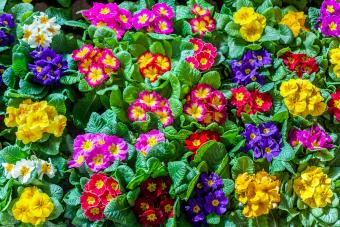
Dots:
{"x": 106, "y": 197}
{"x": 240, "y": 96}
{"x": 151, "y": 217}
{"x": 167, "y": 207}
{"x": 96, "y": 184}
{"x": 89, "y": 199}
{"x": 163, "y": 184}
{"x": 334, "y": 104}
{"x": 261, "y": 101}
{"x": 143, "y": 204}
{"x": 163, "y": 62}
{"x": 112, "y": 186}
{"x": 150, "y": 188}
{"x": 195, "y": 141}
{"x": 95, "y": 213}
{"x": 151, "y": 72}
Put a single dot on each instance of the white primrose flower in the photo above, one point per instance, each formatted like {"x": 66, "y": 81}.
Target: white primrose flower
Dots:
{"x": 23, "y": 169}
{"x": 44, "y": 167}
{"x": 9, "y": 168}
{"x": 40, "y": 39}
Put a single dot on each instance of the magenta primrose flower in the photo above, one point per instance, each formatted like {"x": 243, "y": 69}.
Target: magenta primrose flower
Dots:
{"x": 313, "y": 139}
{"x": 147, "y": 140}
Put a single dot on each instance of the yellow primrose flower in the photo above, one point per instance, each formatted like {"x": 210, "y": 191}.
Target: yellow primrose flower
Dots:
{"x": 34, "y": 119}
{"x": 313, "y": 187}
{"x": 21, "y": 211}
{"x": 302, "y": 98}
{"x": 251, "y": 32}
{"x": 295, "y": 21}
{"x": 259, "y": 193}
{"x": 336, "y": 70}
{"x": 334, "y": 55}
{"x": 41, "y": 205}
{"x": 29, "y": 192}
{"x": 244, "y": 15}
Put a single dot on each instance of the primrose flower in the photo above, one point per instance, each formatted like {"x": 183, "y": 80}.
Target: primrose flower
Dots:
{"x": 97, "y": 159}
{"x": 8, "y": 170}
{"x": 313, "y": 187}
{"x": 295, "y": 21}
{"x": 142, "y": 19}
{"x": 148, "y": 140}
{"x": 117, "y": 147}
{"x": 151, "y": 66}
{"x": 163, "y": 10}
{"x": 162, "y": 25}
{"x": 204, "y": 55}
{"x": 259, "y": 193}
{"x": 23, "y": 169}
{"x": 45, "y": 168}
{"x": 313, "y": 139}
{"x": 203, "y": 22}
{"x": 329, "y": 21}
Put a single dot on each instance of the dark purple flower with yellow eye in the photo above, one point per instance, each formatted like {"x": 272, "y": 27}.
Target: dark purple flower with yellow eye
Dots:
{"x": 262, "y": 57}
{"x": 210, "y": 181}
{"x": 268, "y": 129}
{"x": 251, "y": 134}
{"x": 5, "y": 38}
{"x": 270, "y": 149}
{"x": 216, "y": 202}
{"x": 195, "y": 210}
{"x": 7, "y": 20}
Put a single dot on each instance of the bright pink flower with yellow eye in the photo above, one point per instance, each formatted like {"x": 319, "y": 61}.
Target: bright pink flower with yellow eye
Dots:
{"x": 85, "y": 65}
{"x": 210, "y": 49}
{"x": 137, "y": 112}
{"x": 119, "y": 32}
{"x": 109, "y": 60}
{"x": 199, "y": 11}
{"x": 240, "y": 96}
{"x": 88, "y": 200}
{"x": 124, "y": 18}
{"x": 217, "y": 101}
{"x": 211, "y": 23}
{"x": 219, "y": 117}
{"x": 95, "y": 213}
{"x": 95, "y": 75}
{"x": 96, "y": 184}
{"x": 82, "y": 53}
{"x": 205, "y": 60}
{"x": 151, "y": 72}
{"x": 196, "y": 110}
{"x": 162, "y": 25}
{"x": 148, "y": 140}
{"x": 150, "y": 99}
{"x": 201, "y": 92}
{"x": 163, "y": 10}
{"x": 145, "y": 59}
{"x": 165, "y": 115}
{"x": 198, "y": 44}
{"x": 163, "y": 62}
{"x": 199, "y": 25}
{"x": 192, "y": 62}
{"x": 142, "y": 19}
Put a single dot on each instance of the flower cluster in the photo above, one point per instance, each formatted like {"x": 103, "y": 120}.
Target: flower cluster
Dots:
{"x": 197, "y": 139}
{"x": 110, "y": 15}
{"x": 98, "y": 151}
{"x": 313, "y": 187}
{"x": 97, "y": 64}
{"x": 250, "y": 102}
{"x": 329, "y": 20}
{"x": 23, "y": 169}
{"x": 41, "y": 31}
{"x": 33, "y": 206}
{"x": 150, "y": 102}
{"x": 158, "y": 19}
{"x": 259, "y": 192}
{"x": 334, "y": 55}
{"x": 300, "y": 63}
{"x": 265, "y": 140}
{"x": 204, "y": 55}
{"x": 6, "y": 23}
{"x": 302, "y": 97}
{"x": 209, "y": 198}
{"x": 334, "y": 104}
{"x": 244, "y": 71}
{"x": 154, "y": 204}
{"x": 98, "y": 192}
{"x": 312, "y": 139}
{"x": 206, "y": 105}
{"x": 146, "y": 141}
{"x": 33, "y": 119}
{"x": 48, "y": 66}
{"x": 152, "y": 66}
{"x": 295, "y": 21}
{"x": 252, "y": 23}
{"x": 203, "y": 21}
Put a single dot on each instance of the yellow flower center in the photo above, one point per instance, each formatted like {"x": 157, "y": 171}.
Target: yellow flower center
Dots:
{"x": 87, "y": 145}
{"x": 80, "y": 159}
{"x": 252, "y": 136}
{"x": 162, "y": 26}
{"x": 201, "y": 26}
{"x": 332, "y": 26}
{"x": 152, "y": 141}
{"x": 24, "y": 171}
{"x": 94, "y": 210}
{"x": 210, "y": 182}
{"x": 91, "y": 200}
{"x": 46, "y": 168}
{"x": 267, "y": 150}
{"x": 40, "y": 39}
{"x": 330, "y": 9}
{"x": 203, "y": 61}
{"x": 105, "y": 11}
{"x": 142, "y": 19}
{"x": 38, "y": 69}
{"x": 113, "y": 149}
{"x": 239, "y": 96}
{"x": 144, "y": 206}
{"x": 151, "y": 217}
{"x": 253, "y": 78}
{"x": 9, "y": 167}
{"x": 247, "y": 71}
{"x": 215, "y": 202}
{"x": 27, "y": 34}
{"x": 259, "y": 101}
{"x": 202, "y": 93}
{"x": 99, "y": 184}
{"x": 196, "y": 209}
{"x": 259, "y": 57}
{"x": 167, "y": 208}
{"x": 337, "y": 104}
{"x": 196, "y": 143}
{"x": 151, "y": 187}
{"x": 98, "y": 160}
{"x": 163, "y": 12}
{"x": 265, "y": 131}
{"x": 123, "y": 18}
{"x": 44, "y": 20}
{"x": 82, "y": 53}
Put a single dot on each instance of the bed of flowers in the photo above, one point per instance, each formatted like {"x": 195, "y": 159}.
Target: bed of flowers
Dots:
{"x": 170, "y": 113}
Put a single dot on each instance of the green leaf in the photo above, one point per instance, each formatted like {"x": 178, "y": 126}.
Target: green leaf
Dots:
{"x": 65, "y": 3}
{"x": 213, "y": 219}
{"x": 212, "y": 152}
{"x": 157, "y": 48}
{"x": 212, "y": 78}
{"x": 176, "y": 107}
{"x": 2, "y": 5}
{"x": 119, "y": 212}
{"x": 228, "y": 186}
{"x": 233, "y": 29}
{"x": 71, "y": 198}
{"x": 19, "y": 64}
{"x": 270, "y": 34}
{"x": 9, "y": 78}
{"x": 163, "y": 151}
{"x": 186, "y": 74}
{"x": 11, "y": 154}
{"x": 243, "y": 3}
{"x": 281, "y": 115}
{"x": 58, "y": 101}
{"x": 57, "y": 210}
{"x": 50, "y": 147}
{"x": 73, "y": 23}
{"x": 60, "y": 14}
{"x": 330, "y": 216}
{"x": 287, "y": 152}
{"x": 130, "y": 94}
{"x": 55, "y": 191}
{"x": 83, "y": 109}
{"x": 286, "y": 35}
{"x": 221, "y": 20}
{"x": 136, "y": 50}
{"x": 20, "y": 9}
{"x": 242, "y": 164}
{"x": 183, "y": 12}
{"x": 116, "y": 98}
{"x": 177, "y": 172}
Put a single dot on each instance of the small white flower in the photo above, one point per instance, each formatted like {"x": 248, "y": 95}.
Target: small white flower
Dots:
{"x": 40, "y": 39}
{"x": 23, "y": 170}
{"x": 44, "y": 167}
{"x": 9, "y": 168}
